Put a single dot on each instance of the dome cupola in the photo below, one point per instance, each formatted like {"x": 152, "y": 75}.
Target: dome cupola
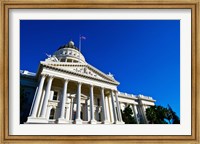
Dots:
{"x": 69, "y": 53}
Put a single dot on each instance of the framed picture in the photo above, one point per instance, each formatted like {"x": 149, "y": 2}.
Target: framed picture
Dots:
{"x": 106, "y": 71}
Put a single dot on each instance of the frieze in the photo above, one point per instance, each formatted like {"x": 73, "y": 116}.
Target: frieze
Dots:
{"x": 86, "y": 71}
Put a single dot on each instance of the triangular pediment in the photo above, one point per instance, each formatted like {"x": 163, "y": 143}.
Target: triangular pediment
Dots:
{"x": 84, "y": 70}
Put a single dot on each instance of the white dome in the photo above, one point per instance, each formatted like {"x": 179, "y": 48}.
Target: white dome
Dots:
{"x": 69, "y": 53}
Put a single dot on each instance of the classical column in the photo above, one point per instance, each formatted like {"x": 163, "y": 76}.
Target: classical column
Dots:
{"x": 113, "y": 106}
{"x": 135, "y": 113}
{"x": 78, "y": 105}
{"x": 105, "y": 117}
{"x": 38, "y": 96}
{"x": 46, "y": 97}
{"x": 48, "y": 111}
{"x": 86, "y": 110}
{"x": 92, "y": 120}
{"x": 67, "y": 112}
{"x": 63, "y": 100}
{"x": 111, "y": 114}
{"x": 118, "y": 107}
{"x": 107, "y": 108}
{"x": 71, "y": 109}
{"x": 144, "y": 114}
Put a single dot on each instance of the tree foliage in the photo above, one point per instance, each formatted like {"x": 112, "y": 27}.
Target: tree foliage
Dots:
{"x": 23, "y": 100}
{"x": 161, "y": 115}
{"x": 127, "y": 116}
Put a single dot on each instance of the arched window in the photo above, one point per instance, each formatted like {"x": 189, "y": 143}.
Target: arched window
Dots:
{"x": 52, "y": 113}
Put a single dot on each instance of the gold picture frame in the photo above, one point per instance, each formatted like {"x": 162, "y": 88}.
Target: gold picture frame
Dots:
{"x": 116, "y": 4}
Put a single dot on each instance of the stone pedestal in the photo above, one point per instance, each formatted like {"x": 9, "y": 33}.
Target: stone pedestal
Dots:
{"x": 36, "y": 120}
{"x": 106, "y": 122}
{"x": 118, "y": 122}
{"x": 78, "y": 121}
{"x": 93, "y": 122}
{"x": 60, "y": 121}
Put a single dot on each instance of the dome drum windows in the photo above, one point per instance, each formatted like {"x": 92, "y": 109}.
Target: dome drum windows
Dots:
{"x": 69, "y": 60}
{"x": 70, "y": 53}
{"x": 64, "y": 52}
{"x": 62, "y": 60}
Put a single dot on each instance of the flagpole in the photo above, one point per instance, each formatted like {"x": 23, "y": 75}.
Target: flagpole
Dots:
{"x": 80, "y": 37}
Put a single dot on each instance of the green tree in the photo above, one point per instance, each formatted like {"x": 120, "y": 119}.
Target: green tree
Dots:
{"x": 23, "y": 100}
{"x": 156, "y": 115}
{"x": 161, "y": 115}
{"x": 174, "y": 118}
{"x": 127, "y": 116}
{"x": 151, "y": 115}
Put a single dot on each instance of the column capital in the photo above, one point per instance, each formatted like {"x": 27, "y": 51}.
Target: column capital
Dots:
{"x": 113, "y": 91}
{"x": 43, "y": 75}
{"x": 116, "y": 92}
{"x": 50, "y": 76}
{"x": 65, "y": 79}
{"x": 102, "y": 88}
{"x": 79, "y": 83}
{"x": 91, "y": 85}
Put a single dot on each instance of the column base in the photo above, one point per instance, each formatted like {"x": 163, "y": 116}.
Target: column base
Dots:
{"x": 78, "y": 121}
{"x": 118, "y": 122}
{"x": 61, "y": 121}
{"x": 36, "y": 120}
{"x": 93, "y": 122}
{"x": 106, "y": 122}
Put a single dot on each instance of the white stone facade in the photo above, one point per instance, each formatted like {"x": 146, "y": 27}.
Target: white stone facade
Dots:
{"x": 72, "y": 91}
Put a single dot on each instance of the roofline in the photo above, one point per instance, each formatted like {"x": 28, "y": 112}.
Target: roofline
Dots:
{"x": 97, "y": 70}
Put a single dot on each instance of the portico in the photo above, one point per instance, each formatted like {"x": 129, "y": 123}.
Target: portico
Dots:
{"x": 75, "y": 97}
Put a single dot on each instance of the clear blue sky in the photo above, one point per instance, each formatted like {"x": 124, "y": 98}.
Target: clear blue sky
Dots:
{"x": 143, "y": 55}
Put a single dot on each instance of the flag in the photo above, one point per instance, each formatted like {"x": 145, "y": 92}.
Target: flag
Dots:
{"x": 82, "y": 37}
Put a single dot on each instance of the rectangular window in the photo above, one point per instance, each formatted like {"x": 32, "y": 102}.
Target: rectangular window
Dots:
{"x": 55, "y": 95}
{"x": 98, "y": 101}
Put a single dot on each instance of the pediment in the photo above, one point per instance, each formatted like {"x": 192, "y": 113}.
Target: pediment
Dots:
{"x": 85, "y": 70}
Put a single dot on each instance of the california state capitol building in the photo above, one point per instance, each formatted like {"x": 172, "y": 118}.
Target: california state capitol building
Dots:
{"x": 68, "y": 90}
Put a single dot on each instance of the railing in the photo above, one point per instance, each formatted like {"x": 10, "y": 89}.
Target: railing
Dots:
{"x": 25, "y": 72}
{"x": 131, "y": 95}
{"x": 146, "y": 97}
{"x": 125, "y": 94}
